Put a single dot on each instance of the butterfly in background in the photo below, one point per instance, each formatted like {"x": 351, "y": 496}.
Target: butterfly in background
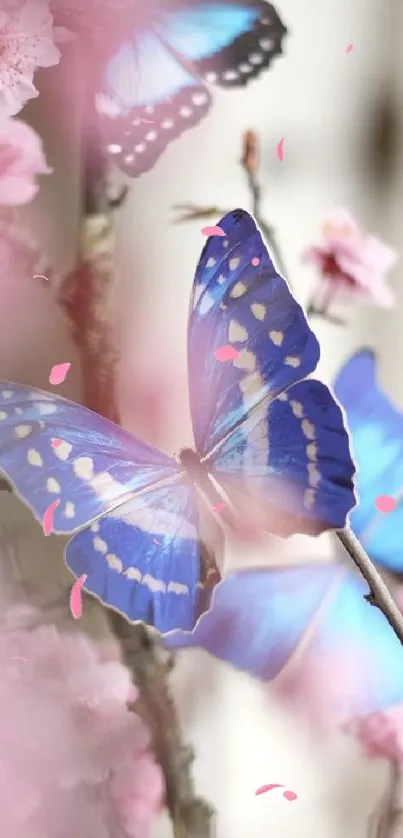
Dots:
{"x": 376, "y": 428}
{"x": 156, "y": 62}
{"x": 261, "y": 432}
{"x": 284, "y": 624}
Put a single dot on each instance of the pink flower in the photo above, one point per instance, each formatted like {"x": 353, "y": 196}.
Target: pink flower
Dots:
{"x": 380, "y": 734}
{"x": 351, "y": 264}
{"x": 26, "y": 42}
{"x": 21, "y": 159}
{"x": 73, "y": 759}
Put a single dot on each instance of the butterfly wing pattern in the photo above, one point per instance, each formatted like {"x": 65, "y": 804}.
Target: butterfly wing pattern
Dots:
{"x": 132, "y": 508}
{"x": 272, "y": 622}
{"x": 376, "y": 427}
{"x": 141, "y": 557}
{"x": 258, "y": 425}
{"x": 155, "y": 85}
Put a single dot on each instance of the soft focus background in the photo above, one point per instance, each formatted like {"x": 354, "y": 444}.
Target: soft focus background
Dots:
{"x": 341, "y": 117}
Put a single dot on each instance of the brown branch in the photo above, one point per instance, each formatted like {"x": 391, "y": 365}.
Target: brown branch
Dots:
{"x": 88, "y": 295}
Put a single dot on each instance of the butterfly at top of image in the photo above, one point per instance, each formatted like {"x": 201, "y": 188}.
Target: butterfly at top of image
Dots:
{"x": 158, "y": 59}
{"x": 268, "y": 445}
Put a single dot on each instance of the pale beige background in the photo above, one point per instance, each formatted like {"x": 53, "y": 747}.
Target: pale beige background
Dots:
{"x": 322, "y": 101}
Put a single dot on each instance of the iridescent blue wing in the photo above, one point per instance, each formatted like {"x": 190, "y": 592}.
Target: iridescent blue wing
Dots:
{"x": 158, "y": 74}
{"x": 292, "y": 458}
{"x": 269, "y": 622}
{"x": 287, "y": 447}
{"x": 143, "y": 556}
{"x": 376, "y": 428}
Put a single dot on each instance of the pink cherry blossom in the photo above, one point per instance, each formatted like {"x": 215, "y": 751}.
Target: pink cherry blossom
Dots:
{"x": 26, "y": 42}
{"x": 73, "y": 759}
{"x": 21, "y": 159}
{"x": 380, "y": 733}
{"x": 351, "y": 264}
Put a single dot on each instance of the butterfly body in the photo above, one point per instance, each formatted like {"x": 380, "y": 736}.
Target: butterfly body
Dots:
{"x": 272, "y": 444}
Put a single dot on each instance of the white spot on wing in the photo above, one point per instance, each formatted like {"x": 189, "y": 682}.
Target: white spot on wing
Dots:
{"x": 34, "y": 458}
{"x": 210, "y": 262}
{"x": 3, "y": 414}
{"x": 69, "y": 509}
{"x": 83, "y": 467}
{"x": 45, "y": 409}
{"x": 100, "y": 545}
{"x": 258, "y": 310}
{"x": 238, "y": 290}
{"x": 236, "y": 332}
{"x": 53, "y": 486}
{"x": 62, "y": 451}
{"x": 114, "y": 562}
{"x": 7, "y": 394}
{"x": 23, "y": 430}
{"x": 276, "y": 337}
{"x": 234, "y": 262}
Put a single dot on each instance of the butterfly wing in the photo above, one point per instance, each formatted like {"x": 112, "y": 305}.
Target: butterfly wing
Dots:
{"x": 270, "y": 623}
{"x": 288, "y": 446}
{"x": 143, "y": 556}
{"x": 228, "y": 42}
{"x": 148, "y": 100}
{"x": 153, "y": 87}
{"x": 97, "y": 465}
{"x": 376, "y": 427}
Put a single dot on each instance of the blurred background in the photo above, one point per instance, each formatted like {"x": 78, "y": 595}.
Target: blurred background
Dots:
{"x": 341, "y": 116}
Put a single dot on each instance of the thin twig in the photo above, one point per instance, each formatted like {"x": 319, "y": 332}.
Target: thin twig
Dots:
{"x": 378, "y": 592}
{"x": 250, "y": 164}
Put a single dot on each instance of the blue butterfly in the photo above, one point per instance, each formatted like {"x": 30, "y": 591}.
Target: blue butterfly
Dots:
{"x": 260, "y": 431}
{"x": 272, "y": 622}
{"x": 155, "y": 84}
{"x": 376, "y": 427}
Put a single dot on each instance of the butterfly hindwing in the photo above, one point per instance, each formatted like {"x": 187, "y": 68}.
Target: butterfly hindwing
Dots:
{"x": 96, "y": 466}
{"x": 148, "y": 100}
{"x": 143, "y": 558}
{"x": 376, "y": 427}
{"x": 273, "y": 623}
{"x": 292, "y": 458}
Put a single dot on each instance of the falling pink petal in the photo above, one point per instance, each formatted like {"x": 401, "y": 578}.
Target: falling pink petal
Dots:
{"x": 212, "y": 231}
{"x": 280, "y": 149}
{"x": 76, "y": 600}
{"x": 18, "y": 658}
{"x": 226, "y": 353}
{"x": 290, "y": 795}
{"x": 41, "y": 276}
{"x": 218, "y": 507}
{"x": 155, "y": 540}
{"x": 350, "y": 48}
{"x": 269, "y": 787}
{"x": 384, "y": 503}
{"x": 56, "y": 442}
{"x": 58, "y": 373}
{"x": 47, "y": 520}
{"x": 255, "y": 261}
